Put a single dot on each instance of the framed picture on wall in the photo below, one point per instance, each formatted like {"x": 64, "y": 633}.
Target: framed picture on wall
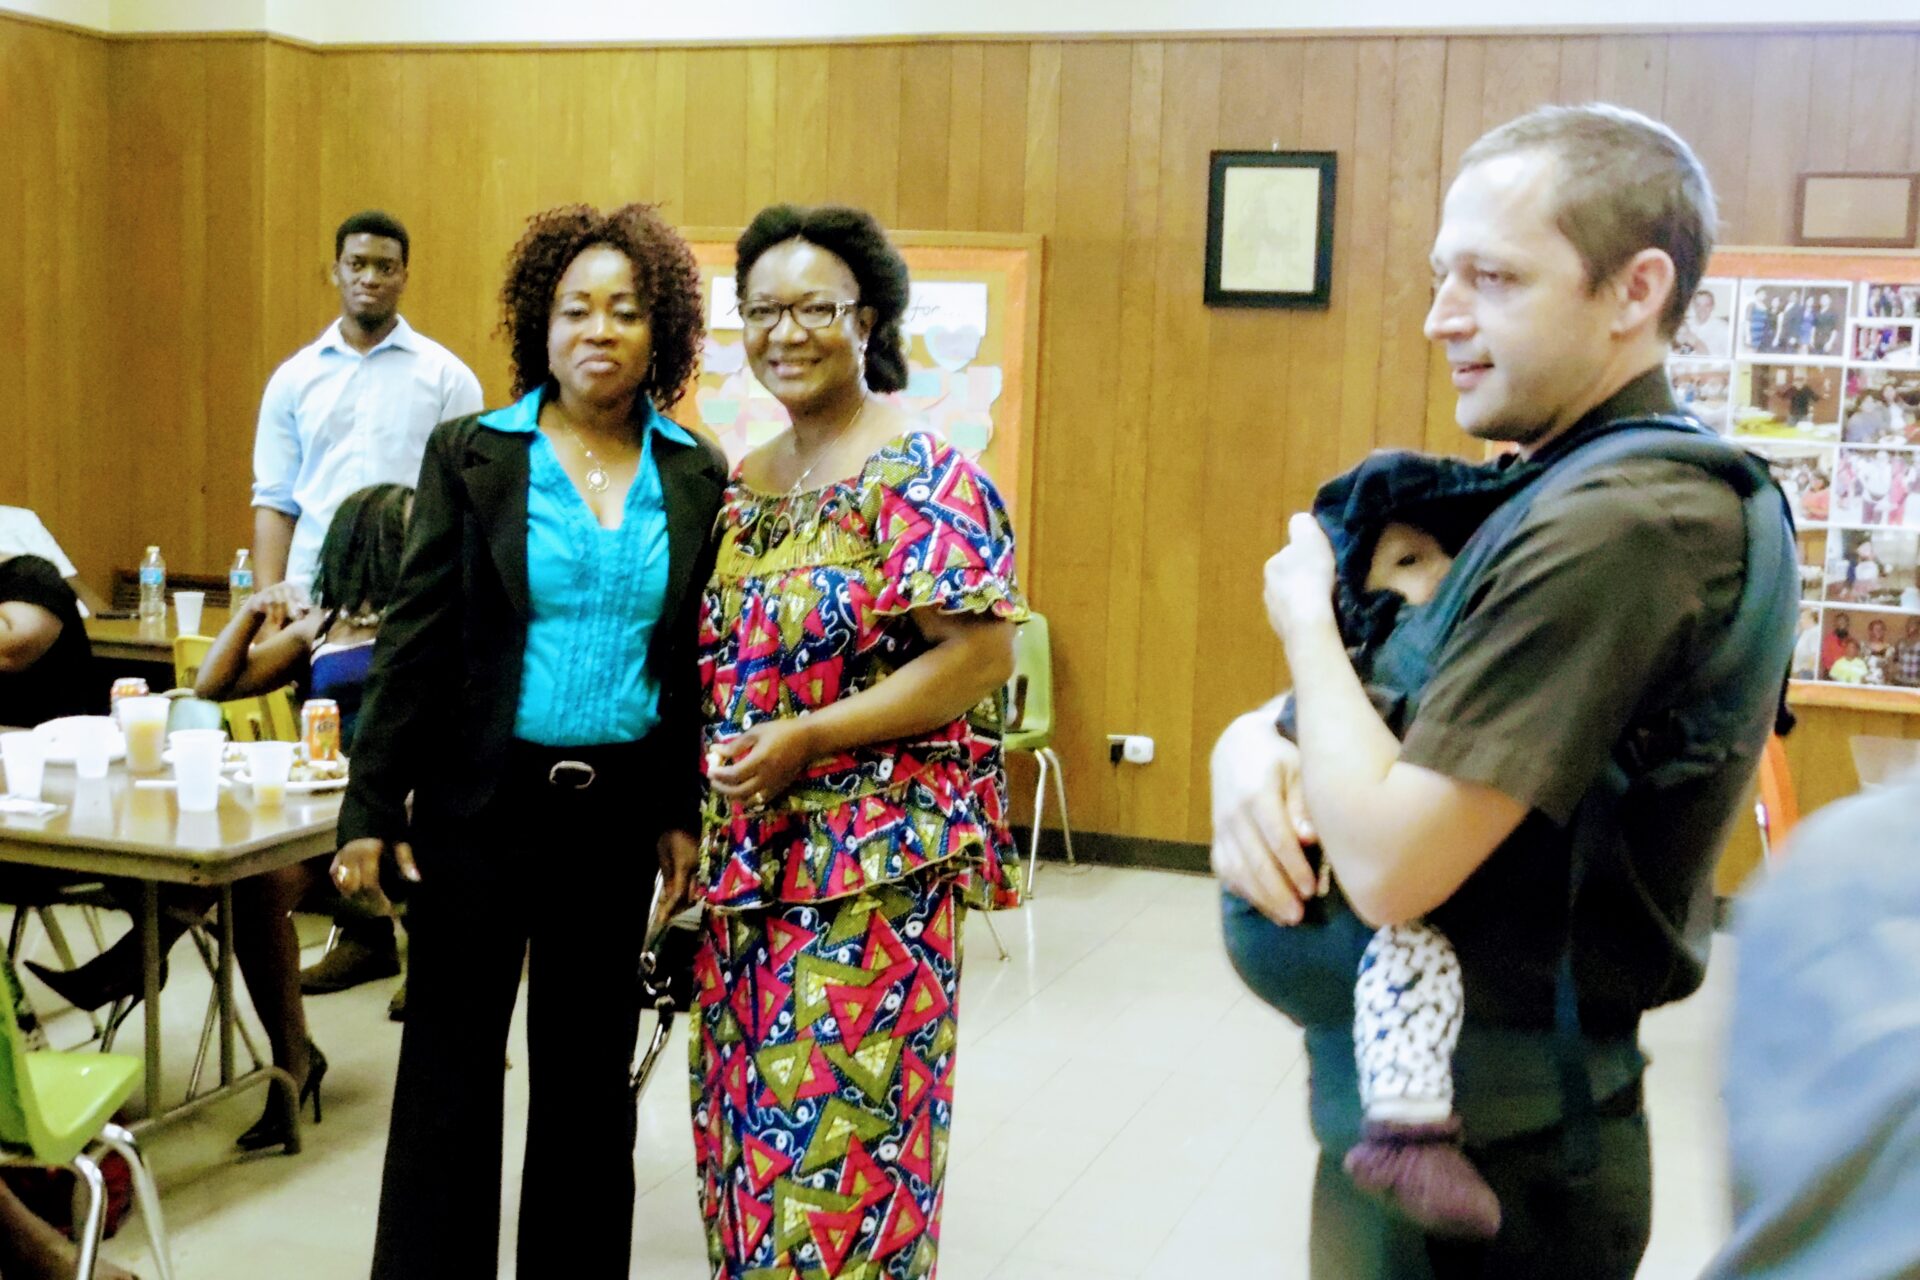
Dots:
{"x": 1858, "y": 210}
{"x": 1270, "y": 229}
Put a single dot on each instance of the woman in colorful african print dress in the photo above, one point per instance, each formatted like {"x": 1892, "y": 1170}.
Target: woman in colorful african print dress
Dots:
{"x": 855, "y": 638}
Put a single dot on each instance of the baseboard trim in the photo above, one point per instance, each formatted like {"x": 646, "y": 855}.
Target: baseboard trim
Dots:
{"x": 1102, "y": 849}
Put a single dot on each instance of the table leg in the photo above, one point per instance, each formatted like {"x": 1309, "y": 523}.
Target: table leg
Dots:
{"x": 224, "y": 980}
{"x": 150, "y": 982}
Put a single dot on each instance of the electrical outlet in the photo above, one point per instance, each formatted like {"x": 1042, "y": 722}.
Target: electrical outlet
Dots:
{"x": 1131, "y": 748}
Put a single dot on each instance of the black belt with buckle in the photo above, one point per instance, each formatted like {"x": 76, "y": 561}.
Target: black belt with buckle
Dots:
{"x": 578, "y": 769}
{"x": 571, "y": 775}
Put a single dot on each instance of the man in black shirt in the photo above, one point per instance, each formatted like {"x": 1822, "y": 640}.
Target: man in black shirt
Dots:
{"x": 1570, "y": 243}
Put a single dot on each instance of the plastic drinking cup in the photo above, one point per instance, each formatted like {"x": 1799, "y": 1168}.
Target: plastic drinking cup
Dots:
{"x": 145, "y": 723}
{"x": 268, "y": 764}
{"x": 92, "y": 744}
{"x": 26, "y": 763}
{"x": 187, "y": 606}
{"x": 196, "y": 767}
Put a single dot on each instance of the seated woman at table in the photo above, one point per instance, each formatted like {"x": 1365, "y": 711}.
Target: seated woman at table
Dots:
{"x": 45, "y": 658}
{"x": 45, "y": 667}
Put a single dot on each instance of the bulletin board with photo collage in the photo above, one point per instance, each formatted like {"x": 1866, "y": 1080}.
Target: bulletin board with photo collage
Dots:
{"x": 1812, "y": 360}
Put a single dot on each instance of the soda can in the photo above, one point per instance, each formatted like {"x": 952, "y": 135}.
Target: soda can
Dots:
{"x": 125, "y": 687}
{"x": 320, "y": 728}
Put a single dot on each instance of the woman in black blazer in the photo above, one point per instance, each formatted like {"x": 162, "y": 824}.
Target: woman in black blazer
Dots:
{"x": 534, "y": 692}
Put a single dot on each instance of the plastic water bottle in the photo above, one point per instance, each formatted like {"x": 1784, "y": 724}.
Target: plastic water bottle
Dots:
{"x": 239, "y": 581}
{"x": 153, "y": 588}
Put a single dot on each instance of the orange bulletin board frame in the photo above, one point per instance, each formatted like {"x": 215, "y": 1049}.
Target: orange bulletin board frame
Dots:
{"x": 980, "y": 390}
{"x": 1858, "y": 267}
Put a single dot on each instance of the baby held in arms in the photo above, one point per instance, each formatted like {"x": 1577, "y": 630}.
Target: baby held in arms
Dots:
{"x": 1409, "y": 999}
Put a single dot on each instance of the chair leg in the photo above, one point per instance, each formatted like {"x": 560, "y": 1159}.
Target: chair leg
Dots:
{"x": 211, "y": 1021}
{"x": 91, "y": 914}
{"x": 987, "y": 917}
{"x": 1039, "y": 809}
{"x": 146, "y": 1194}
{"x": 58, "y": 938}
{"x": 1060, "y": 793}
{"x": 87, "y": 1238}
{"x": 17, "y": 936}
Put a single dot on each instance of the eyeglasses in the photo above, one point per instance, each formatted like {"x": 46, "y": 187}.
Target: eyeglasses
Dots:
{"x": 814, "y": 313}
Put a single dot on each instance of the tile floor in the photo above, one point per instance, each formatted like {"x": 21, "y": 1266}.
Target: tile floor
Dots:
{"x": 1124, "y": 1108}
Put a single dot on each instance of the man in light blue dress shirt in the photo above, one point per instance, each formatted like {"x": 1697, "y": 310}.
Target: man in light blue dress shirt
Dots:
{"x": 351, "y": 409}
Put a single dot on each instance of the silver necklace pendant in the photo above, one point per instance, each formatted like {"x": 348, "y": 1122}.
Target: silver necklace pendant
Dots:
{"x": 597, "y": 479}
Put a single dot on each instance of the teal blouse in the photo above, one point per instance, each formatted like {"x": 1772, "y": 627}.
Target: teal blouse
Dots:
{"x": 597, "y": 595}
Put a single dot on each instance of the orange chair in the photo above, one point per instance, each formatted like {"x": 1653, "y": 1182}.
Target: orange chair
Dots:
{"x": 1777, "y": 810}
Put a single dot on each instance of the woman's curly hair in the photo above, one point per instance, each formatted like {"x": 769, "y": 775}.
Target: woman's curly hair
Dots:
{"x": 663, "y": 270}
{"x": 856, "y": 239}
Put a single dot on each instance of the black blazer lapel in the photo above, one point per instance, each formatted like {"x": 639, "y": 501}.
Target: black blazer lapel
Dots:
{"x": 688, "y": 488}
{"x": 496, "y": 475}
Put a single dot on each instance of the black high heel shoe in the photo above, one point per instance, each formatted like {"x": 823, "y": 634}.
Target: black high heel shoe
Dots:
{"x": 275, "y": 1125}
{"x": 101, "y": 981}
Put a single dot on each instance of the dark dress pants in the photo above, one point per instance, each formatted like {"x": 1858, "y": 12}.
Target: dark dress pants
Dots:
{"x": 561, "y": 879}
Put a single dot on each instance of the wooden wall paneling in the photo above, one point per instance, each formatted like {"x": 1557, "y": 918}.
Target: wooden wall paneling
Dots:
{"x": 966, "y": 87}
{"x": 1777, "y": 120}
{"x": 81, "y": 462}
{"x": 1523, "y": 73}
{"x": 1710, "y": 97}
{"x": 716, "y": 138}
{"x": 1829, "y": 104}
{"x": 1329, "y": 101}
{"x": 1080, "y": 208}
{"x": 1132, "y": 330}
{"x": 159, "y": 171}
{"x": 1880, "y": 99}
{"x": 1007, "y": 73}
{"x": 1579, "y": 68}
{"x": 1037, "y": 159}
{"x": 64, "y": 447}
{"x": 1413, "y": 175}
{"x": 926, "y": 135}
{"x": 24, "y": 57}
{"x": 606, "y": 131}
{"x": 764, "y": 109}
{"x": 1633, "y": 72}
{"x": 1248, "y": 420}
{"x": 297, "y": 239}
{"x": 562, "y": 169}
{"x": 1175, "y": 622}
{"x": 800, "y": 161}
{"x": 1364, "y": 221}
{"x": 231, "y": 305}
{"x": 469, "y": 193}
{"x": 1460, "y": 113}
{"x": 863, "y": 128}
{"x": 630, "y": 101}
{"x": 670, "y": 133}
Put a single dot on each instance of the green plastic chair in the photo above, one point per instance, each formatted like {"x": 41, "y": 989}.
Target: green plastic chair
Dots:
{"x": 54, "y": 1107}
{"x": 1030, "y": 727}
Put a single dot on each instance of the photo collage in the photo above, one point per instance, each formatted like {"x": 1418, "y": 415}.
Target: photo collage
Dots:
{"x": 1822, "y": 378}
